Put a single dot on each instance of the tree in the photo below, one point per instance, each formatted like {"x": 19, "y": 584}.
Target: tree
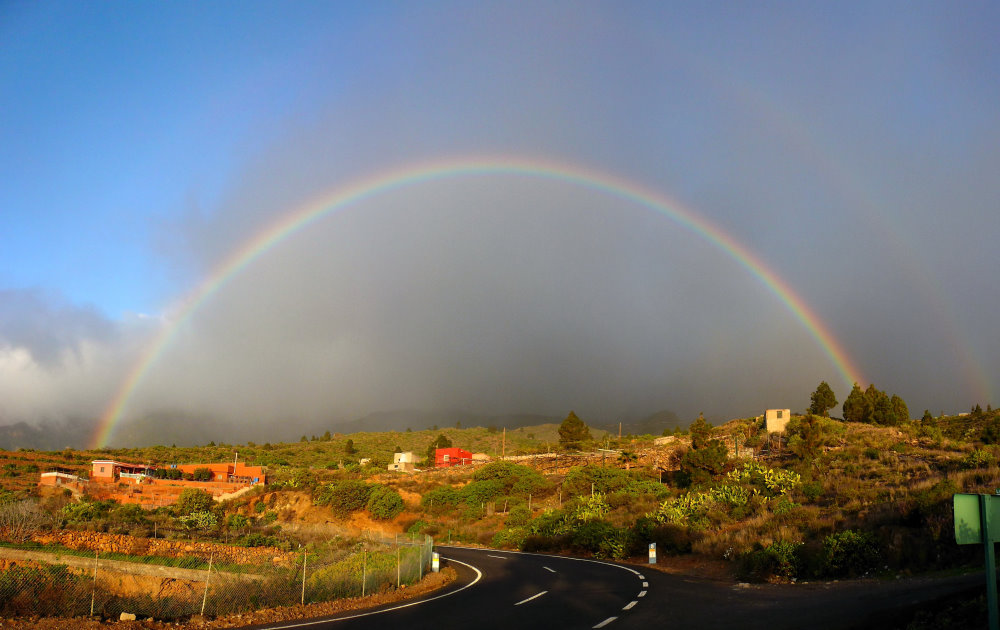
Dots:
{"x": 573, "y": 432}
{"x": 854, "y": 406}
{"x": 193, "y": 500}
{"x": 927, "y": 417}
{"x": 707, "y": 456}
{"x": 20, "y": 520}
{"x": 202, "y": 474}
{"x": 327, "y": 437}
{"x": 349, "y": 447}
{"x": 701, "y": 432}
{"x": 807, "y": 436}
{"x": 899, "y": 408}
{"x": 823, "y": 400}
{"x": 441, "y": 441}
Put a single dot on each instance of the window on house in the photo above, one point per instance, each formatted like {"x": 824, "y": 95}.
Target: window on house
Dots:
{"x": 102, "y": 468}
{"x": 779, "y": 414}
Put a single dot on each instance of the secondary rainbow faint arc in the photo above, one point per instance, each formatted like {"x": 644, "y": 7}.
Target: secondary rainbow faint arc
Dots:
{"x": 360, "y": 190}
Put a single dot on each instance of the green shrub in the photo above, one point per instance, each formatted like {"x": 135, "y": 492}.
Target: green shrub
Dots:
{"x": 979, "y": 458}
{"x": 589, "y": 536}
{"x": 440, "y": 498}
{"x": 384, "y": 503}
{"x": 812, "y": 490}
{"x": 517, "y": 517}
{"x": 850, "y": 553}
{"x": 479, "y": 492}
{"x": 193, "y": 500}
{"x": 512, "y": 538}
{"x": 344, "y": 497}
{"x": 779, "y": 559}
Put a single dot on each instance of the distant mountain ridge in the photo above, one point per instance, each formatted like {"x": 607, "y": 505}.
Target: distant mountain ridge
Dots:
{"x": 183, "y": 429}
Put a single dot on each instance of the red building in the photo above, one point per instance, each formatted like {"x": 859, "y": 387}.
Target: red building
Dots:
{"x": 444, "y": 457}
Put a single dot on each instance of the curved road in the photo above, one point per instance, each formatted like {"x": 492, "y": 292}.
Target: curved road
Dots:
{"x": 504, "y": 589}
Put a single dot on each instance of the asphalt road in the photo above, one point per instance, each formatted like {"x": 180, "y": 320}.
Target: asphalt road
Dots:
{"x": 502, "y": 589}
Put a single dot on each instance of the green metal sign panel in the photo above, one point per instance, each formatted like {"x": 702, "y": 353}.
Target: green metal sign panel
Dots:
{"x": 968, "y": 520}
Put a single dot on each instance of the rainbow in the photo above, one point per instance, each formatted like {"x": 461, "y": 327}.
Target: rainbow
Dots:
{"x": 372, "y": 186}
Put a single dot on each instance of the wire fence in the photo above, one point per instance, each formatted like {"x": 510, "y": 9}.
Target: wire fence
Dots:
{"x": 84, "y": 587}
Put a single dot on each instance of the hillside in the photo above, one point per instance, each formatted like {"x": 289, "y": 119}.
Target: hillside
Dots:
{"x": 829, "y": 499}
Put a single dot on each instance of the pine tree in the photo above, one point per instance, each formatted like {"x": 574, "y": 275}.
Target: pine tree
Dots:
{"x": 823, "y": 399}
{"x": 854, "y": 406}
{"x": 573, "y": 432}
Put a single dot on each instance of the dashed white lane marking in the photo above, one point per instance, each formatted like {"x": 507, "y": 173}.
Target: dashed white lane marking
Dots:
{"x": 642, "y": 593}
{"x": 642, "y": 577}
{"x": 501, "y": 557}
{"x": 605, "y": 622}
{"x": 548, "y": 569}
{"x": 645, "y": 585}
{"x": 525, "y": 601}
{"x": 629, "y": 605}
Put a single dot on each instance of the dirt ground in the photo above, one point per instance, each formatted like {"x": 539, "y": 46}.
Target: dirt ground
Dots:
{"x": 430, "y": 583}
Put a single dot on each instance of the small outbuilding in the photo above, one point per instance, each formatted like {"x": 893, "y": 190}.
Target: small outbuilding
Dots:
{"x": 403, "y": 462}
{"x": 775, "y": 420}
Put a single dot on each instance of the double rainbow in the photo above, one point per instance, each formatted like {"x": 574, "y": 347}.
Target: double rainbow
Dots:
{"x": 369, "y": 187}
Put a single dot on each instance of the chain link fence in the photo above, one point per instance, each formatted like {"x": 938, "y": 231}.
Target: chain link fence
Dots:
{"x": 77, "y": 586}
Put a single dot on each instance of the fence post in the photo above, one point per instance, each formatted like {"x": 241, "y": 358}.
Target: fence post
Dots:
{"x": 397, "y": 567}
{"x": 93, "y": 591}
{"x": 208, "y": 578}
{"x": 305, "y": 558}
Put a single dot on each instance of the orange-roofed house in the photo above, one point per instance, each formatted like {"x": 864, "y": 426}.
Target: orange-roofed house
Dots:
{"x": 229, "y": 473}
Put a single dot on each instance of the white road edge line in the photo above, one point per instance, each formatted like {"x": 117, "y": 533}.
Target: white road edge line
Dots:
{"x": 546, "y": 555}
{"x": 642, "y": 594}
{"x": 479, "y": 576}
{"x": 629, "y": 605}
{"x": 500, "y": 557}
{"x": 548, "y": 569}
{"x": 525, "y": 601}
{"x": 605, "y": 622}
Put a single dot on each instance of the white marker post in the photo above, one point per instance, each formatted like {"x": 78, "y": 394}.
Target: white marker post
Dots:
{"x": 435, "y": 562}
{"x": 652, "y": 553}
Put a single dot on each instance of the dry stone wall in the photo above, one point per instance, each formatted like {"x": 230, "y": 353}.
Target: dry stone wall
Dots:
{"x": 118, "y": 543}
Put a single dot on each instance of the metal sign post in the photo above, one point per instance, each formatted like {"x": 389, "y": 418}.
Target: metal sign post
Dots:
{"x": 977, "y": 520}
{"x": 652, "y": 553}
{"x": 435, "y": 562}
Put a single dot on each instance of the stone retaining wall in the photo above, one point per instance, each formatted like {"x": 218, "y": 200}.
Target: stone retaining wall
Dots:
{"x": 98, "y": 541}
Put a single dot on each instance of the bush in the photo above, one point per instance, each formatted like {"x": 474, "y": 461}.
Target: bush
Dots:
{"x": 589, "y": 536}
{"x": 479, "y": 492}
{"x": 850, "y": 554}
{"x": 517, "y": 517}
{"x": 440, "y": 498}
{"x": 384, "y": 503}
{"x": 344, "y": 496}
{"x": 779, "y": 559}
{"x": 193, "y": 500}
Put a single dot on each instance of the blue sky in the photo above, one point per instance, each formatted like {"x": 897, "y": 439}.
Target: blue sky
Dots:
{"x": 852, "y": 146}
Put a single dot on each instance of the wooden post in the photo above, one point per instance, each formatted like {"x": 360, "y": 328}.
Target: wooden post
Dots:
{"x": 93, "y": 592}
{"x": 364, "y": 571}
{"x": 397, "y": 567}
{"x": 305, "y": 558}
{"x": 503, "y": 447}
{"x": 204, "y": 598}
